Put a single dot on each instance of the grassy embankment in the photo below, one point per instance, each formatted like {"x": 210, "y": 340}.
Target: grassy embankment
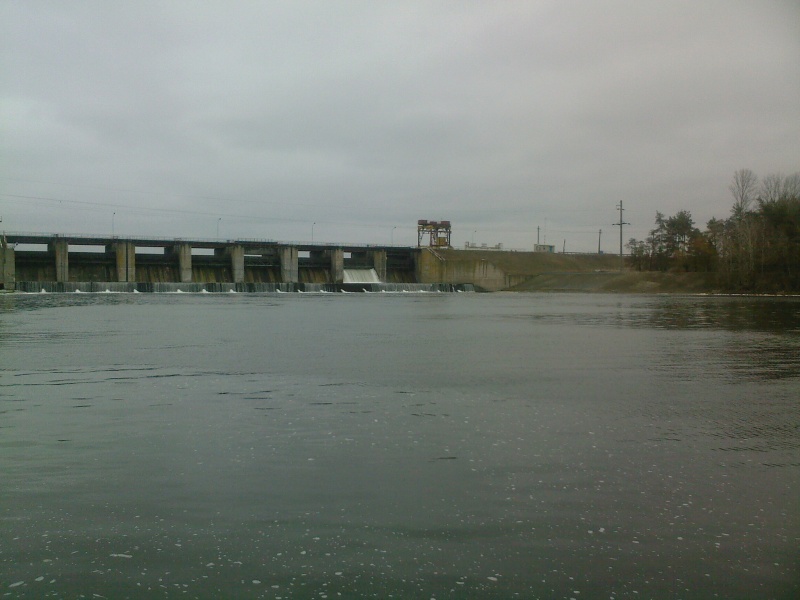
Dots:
{"x": 542, "y": 272}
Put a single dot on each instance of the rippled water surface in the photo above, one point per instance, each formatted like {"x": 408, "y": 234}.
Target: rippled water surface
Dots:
{"x": 399, "y": 445}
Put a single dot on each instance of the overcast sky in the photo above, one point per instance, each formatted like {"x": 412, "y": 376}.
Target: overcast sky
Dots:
{"x": 349, "y": 121}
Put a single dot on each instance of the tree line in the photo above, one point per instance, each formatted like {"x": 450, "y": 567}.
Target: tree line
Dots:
{"x": 756, "y": 249}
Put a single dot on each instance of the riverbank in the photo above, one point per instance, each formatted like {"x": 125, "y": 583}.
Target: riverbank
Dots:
{"x": 626, "y": 282}
{"x": 545, "y": 272}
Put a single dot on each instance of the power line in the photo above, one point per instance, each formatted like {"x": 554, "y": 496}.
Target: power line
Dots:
{"x": 87, "y": 204}
{"x": 93, "y": 205}
{"x": 152, "y": 193}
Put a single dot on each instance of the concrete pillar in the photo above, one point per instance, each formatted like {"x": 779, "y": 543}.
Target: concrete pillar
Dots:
{"x": 289, "y": 264}
{"x": 60, "y": 248}
{"x": 126, "y": 260}
{"x": 236, "y": 253}
{"x": 184, "y": 252}
{"x": 337, "y": 265}
{"x": 379, "y": 263}
{"x": 7, "y": 266}
{"x": 429, "y": 267}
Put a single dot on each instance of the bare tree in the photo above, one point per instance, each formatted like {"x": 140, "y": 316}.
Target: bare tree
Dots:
{"x": 744, "y": 225}
{"x": 770, "y": 189}
{"x": 791, "y": 186}
{"x": 743, "y": 189}
{"x": 777, "y": 187}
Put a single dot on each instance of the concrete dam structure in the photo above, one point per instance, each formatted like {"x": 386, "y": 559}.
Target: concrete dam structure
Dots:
{"x": 80, "y": 263}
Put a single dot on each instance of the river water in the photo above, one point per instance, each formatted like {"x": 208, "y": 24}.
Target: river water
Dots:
{"x": 399, "y": 446}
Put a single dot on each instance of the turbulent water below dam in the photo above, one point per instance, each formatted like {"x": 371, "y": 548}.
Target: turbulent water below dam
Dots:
{"x": 429, "y": 445}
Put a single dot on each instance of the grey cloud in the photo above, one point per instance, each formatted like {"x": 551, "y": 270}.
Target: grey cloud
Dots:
{"x": 363, "y": 117}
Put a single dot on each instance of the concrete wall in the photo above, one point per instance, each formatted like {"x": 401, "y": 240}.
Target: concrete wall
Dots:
{"x": 237, "y": 263}
{"x": 379, "y": 263}
{"x": 60, "y": 250}
{"x": 184, "y": 252}
{"x": 337, "y": 265}
{"x": 125, "y": 253}
{"x": 434, "y": 267}
{"x": 7, "y": 266}
{"x": 289, "y": 264}
{"x": 235, "y": 254}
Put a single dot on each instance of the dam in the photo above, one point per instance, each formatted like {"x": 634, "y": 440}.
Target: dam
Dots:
{"x": 33, "y": 262}
{"x": 84, "y": 263}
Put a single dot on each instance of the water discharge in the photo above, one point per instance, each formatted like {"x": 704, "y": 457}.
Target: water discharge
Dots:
{"x": 361, "y": 276}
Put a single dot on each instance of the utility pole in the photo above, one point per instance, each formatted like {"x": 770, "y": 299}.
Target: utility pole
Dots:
{"x": 620, "y": 224}
{"x": 599, "y": 236}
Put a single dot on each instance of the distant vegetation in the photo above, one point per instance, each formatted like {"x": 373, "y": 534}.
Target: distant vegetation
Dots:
{"x": 756, "y": 249}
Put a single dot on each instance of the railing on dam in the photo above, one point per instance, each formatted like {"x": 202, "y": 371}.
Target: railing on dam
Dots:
{"x": 24, "y": 237}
